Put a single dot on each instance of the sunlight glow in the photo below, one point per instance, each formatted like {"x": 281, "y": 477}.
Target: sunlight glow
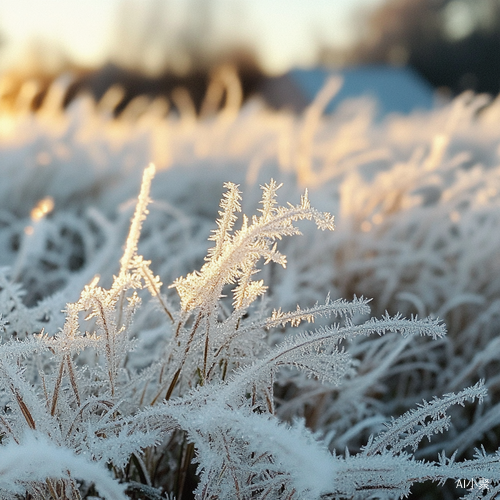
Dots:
{"x": 284, "y": 33}
{"x": 42, "y": 208}
{"x": 79, "y": 29}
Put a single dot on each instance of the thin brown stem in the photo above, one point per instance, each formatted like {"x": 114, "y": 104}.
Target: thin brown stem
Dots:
{"x": 177, "y": 373}
{"x": 151, "y": 284}
{"x": 105, "y": 404}
{"x": 109, "y": 347}
{"x": 172, "y": 384}
{"x": 24, "y": 409}
{"x": 9, "y": 429}
{"x": 186, "y": 460}
{"x": 55, "y": 396}
{"x": 229, "y": 462}
{"x": 224, "y": 369}
{"x": 181, "y": 322}
{"x": 72, "y": 378}
{"x": 143, "y": 394}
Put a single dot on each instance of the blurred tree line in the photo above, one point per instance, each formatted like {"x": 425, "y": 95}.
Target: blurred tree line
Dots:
{"x": 452, "y": 43}
{"x": 159, "y": 47}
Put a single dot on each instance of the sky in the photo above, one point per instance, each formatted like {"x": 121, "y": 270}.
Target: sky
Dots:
{"x": 284, "y": 32}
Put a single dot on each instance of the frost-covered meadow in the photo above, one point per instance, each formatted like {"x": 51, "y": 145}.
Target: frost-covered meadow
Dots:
{"x": 126, "y": 374}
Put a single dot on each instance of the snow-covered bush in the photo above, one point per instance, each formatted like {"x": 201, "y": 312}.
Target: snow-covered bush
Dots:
{"x": 134, "y": 380}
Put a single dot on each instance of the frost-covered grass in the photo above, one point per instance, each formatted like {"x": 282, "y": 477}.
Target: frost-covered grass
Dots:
{"x": 130, "y": 380}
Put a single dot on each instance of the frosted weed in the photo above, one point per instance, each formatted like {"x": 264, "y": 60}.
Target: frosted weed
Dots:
{"x": 79, "y": 419}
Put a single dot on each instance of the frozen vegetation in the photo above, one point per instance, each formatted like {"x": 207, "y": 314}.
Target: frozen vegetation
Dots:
{"x": 153, "y": 345}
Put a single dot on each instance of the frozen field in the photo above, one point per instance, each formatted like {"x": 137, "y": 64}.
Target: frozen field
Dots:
{"x": 158, "y": 375}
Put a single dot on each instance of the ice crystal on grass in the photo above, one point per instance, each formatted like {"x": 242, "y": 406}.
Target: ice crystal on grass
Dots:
{"x": 81, "y": 418}
{"x": 234, "y": 257}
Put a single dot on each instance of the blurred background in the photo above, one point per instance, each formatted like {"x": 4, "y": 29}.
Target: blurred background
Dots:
{"x": 155, "y": 46}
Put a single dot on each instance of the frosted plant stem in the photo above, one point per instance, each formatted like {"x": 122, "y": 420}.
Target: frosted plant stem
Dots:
{"x": 188, "y": 347}
{"x": 136, "y": 224}
{"x": 56, "y": 389}
{"x": 8, "y": 428}
{"x": 205, "y": 351}
{"x": 72, "y": 378}
{"x": 109, "y": 349}
{"x": 149, "y": 278}
{"x": 24, "y": 409}
{"x": 184, "y": 358}
{"x": 233, "y": 474}
{"x": 170, "y": 357}
{"x": 187, "y": 456}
